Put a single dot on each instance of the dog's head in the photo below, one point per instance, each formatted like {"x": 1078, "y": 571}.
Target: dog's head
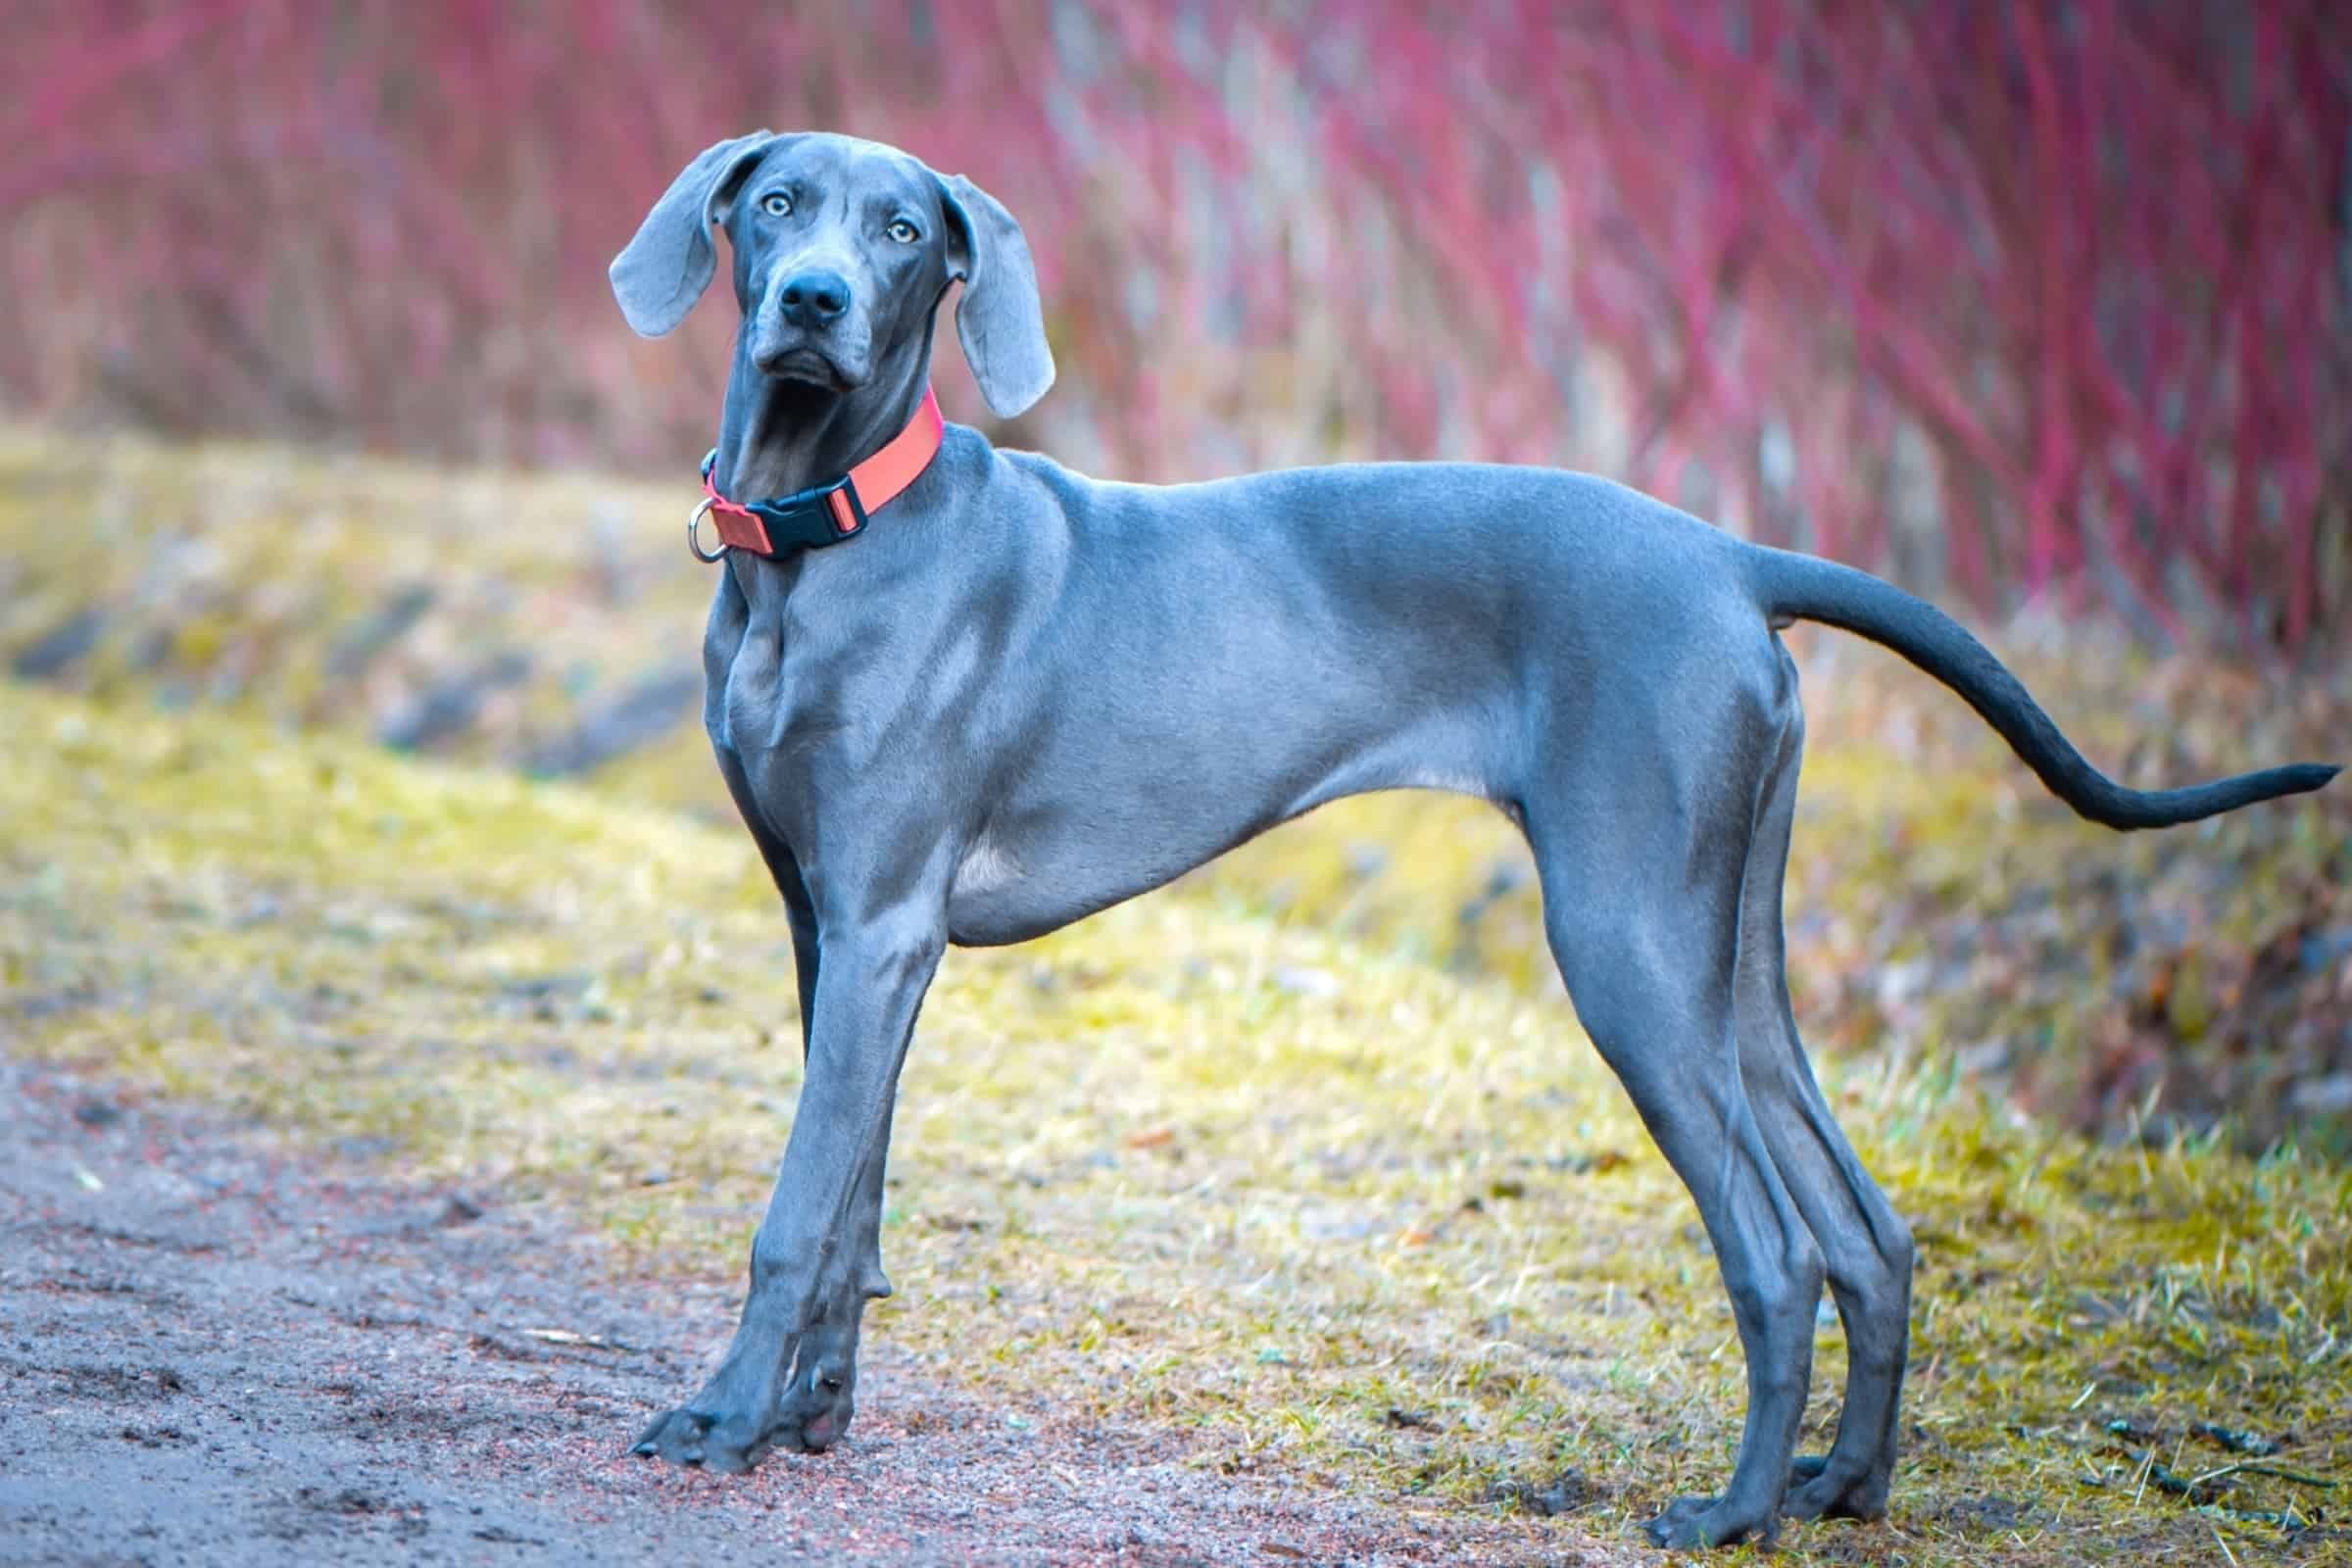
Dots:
{"x": 843, "y": 250}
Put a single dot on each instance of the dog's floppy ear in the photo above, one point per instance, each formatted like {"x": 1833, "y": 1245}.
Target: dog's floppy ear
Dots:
{"x": 663, "y": 270}
{"x": 1001, "y": 319}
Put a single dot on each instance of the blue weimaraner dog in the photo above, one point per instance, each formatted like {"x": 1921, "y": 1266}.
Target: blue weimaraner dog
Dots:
{"x": 1019, "y": 696}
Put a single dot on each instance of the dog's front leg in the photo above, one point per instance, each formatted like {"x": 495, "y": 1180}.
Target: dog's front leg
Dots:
{"x": 822, "y": 1400}
{"x": 787, "y": 1367}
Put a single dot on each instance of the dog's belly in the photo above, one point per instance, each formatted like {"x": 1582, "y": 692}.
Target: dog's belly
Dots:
{"x": 1006, "y": 902}
{"x": 1048, "y": 861}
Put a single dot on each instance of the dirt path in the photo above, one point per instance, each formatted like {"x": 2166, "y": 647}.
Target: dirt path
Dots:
{"x": 213, "y": 1353}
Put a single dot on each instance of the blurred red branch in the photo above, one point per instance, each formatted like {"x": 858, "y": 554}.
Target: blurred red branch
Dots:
{"x": 2090, "y": 260}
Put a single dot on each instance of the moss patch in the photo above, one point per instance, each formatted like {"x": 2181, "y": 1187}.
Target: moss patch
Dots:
{"x": 1345, "y": 1214}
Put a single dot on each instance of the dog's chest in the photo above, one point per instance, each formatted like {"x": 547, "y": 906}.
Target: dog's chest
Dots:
{"x": 772, "y": 701}
{"x": 807, "y": 709}
{"x": 748, "y": 681}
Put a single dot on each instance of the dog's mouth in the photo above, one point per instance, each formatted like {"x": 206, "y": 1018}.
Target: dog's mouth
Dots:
{"x": 807, "y": 367}
{"x": 802, "y": 365}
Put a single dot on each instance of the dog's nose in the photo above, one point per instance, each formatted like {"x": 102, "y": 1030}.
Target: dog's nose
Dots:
{"x": 813, "y": 299}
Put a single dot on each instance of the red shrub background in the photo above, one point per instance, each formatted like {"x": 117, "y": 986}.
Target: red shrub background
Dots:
{"x": 2014, "y": 301}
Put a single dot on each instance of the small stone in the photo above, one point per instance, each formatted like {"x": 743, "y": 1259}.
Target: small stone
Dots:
{"x": 1302, "y": 982}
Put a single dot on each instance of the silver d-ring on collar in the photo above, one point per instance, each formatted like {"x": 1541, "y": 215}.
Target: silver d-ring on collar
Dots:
{"x": 694, "y": 541}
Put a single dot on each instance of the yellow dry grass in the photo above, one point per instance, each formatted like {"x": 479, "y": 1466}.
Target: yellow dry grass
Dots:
{"x": 1344, "y": 1214}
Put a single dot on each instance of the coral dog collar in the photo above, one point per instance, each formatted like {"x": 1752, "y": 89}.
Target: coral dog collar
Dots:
{"x": 825, "y": 514}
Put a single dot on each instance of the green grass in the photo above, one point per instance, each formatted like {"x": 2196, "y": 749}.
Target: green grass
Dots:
{"x": 1342, "y": 1212}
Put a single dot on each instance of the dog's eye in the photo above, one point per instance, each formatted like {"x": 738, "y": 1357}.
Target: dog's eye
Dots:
{"x": 902, "y": 231}
{"x": 777, "y": 205}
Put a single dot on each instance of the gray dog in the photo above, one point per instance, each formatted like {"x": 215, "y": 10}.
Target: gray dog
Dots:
{"x": 1018, "y": 696}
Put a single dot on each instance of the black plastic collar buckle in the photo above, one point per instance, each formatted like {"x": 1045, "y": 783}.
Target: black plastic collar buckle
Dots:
{"x": 806, "y": 519}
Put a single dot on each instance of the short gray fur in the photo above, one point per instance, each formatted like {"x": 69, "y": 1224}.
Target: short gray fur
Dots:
{"x": 1022, "y": 696}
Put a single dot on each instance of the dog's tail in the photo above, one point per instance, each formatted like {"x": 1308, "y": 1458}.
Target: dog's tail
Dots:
{"x": 1796, "y": 587}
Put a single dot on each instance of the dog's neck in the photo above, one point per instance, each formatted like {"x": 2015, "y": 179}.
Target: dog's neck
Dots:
{"x": 777, "y": 437}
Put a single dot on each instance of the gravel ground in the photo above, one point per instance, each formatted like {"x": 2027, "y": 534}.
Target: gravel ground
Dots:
{"x": 211, "y": 1352}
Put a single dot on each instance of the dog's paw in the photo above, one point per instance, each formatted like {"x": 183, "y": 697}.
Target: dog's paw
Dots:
{"x": 1818, "y": 1492}
{"x": 698, "y": 1439}
{"x": 820, "y": 1406}
{"x": 1689, "y": 1522}
{"x": 809, "y": 1419}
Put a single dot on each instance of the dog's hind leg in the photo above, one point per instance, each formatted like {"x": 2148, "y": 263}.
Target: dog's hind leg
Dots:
{"x": 1641, "y": 865}
{"x": 1866, "y": 1246}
